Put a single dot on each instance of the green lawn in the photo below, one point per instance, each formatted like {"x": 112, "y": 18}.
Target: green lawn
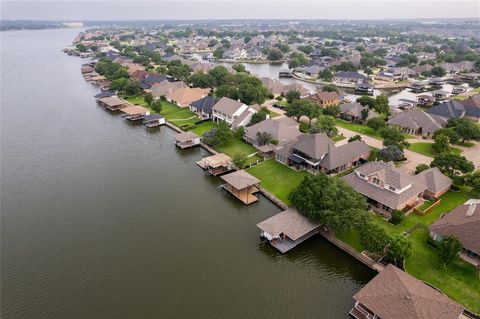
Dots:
{"x": 460, "y": 280}
{"x": 359, "y": 128}
{"x": 137, "y": 100}
{"x": 236, "y": 146}
{"x": 425, "y": 205}
{"x": 352, "y": 238}
{"x": 278, "y": 179}
{"x": 274, "y": 114}
{"x": 203, "y": 127}
{"x": 362, "y": 129}
{"x": 427, "y": 149}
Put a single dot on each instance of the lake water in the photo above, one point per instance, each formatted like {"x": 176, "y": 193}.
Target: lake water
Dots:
{"x": 102, "y": 219}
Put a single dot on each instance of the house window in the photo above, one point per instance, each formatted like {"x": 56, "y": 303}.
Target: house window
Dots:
{"x": 392, "y": 188}
{"x": 363, "y": 176}
{"x": 376, "y": 181}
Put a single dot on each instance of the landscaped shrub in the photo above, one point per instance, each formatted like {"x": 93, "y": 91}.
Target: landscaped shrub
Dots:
{"x": 432, "y": 242}
{"x": 397, "y": 217}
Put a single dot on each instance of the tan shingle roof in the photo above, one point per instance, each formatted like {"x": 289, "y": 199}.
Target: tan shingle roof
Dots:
{"x": 315, "y": 145}
{"x": 394, "y": 294}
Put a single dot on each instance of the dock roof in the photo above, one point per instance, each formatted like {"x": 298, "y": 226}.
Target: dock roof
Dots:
{"x": 240, "y": 179}
{"x": 217, "y": 160}
{"x": 112, "y": 101}
{"x": 289, "y": 222}
{"x": 134, "y": 109}
{"x": 185, "y": 137}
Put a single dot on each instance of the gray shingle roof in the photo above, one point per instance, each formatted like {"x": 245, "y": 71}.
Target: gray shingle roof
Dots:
{"x": 432, "y": 180}
{"x": 448, "y": 109}
{"x": 344, "y": 154}
{"x": 315, "y": 145}
{"x": 227, "y": 106}
{"x": 416, "y": 119}
{"x": 284, "y": 129}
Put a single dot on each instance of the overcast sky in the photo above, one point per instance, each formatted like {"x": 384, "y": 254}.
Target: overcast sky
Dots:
{"x": 233, "y": 9}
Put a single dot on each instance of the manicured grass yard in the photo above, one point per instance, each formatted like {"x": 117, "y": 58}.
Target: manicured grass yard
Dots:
{"x": 278, "y": 179}
{"x": 425, "y": 205}
{"x": 427, "y": 149}
{"x": 203, "y": 127}
{"x": 359, "y": 128}
{"x": 137, "y": 100}
{"x": 460, "y": 280}
{"x": 236, "y": 146}
{"x": 352, "y": 238}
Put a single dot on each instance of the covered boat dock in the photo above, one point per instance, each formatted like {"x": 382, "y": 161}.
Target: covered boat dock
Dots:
{"x": 242, "y": 185}
{"x": 187, "y": 140}
{"x": 287, "y": 229}
{"x": 216, "y": 164}
{"x": 112, "y": 103}
{"x": 134, "y": 112}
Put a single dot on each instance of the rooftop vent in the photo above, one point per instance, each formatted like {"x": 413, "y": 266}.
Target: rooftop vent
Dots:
{"x": 471, "y": 209}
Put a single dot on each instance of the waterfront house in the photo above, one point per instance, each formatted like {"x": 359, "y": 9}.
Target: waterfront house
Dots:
{"x": 296, "y": 87}
{"x": 216, "y": 164}
{"x": 325, "y": 99}
{"x": 151, "y": 79}
{"x": 242, "y": 185}
{"x": 165, "y": 87}
{"x": 203, "y": 107}
{"x": 153, "y": 120}
{"x": 353, "y": 112}
{"x": 185, "y": 95}
{"x": 228, "y": 110}
{"x": 350, "y": 77}
{"x": 187, "y": 140}
{"x": 417, "y": 122}
{"x": 274, "y": 86}
{"x": 394, "y": 294}
{"x": 389, "y": 188}
{"x": 287, "y": 229}
{"x": 318, "y": 153}
{"x": 464, "y": 223}
{"x": 281, "y": 130}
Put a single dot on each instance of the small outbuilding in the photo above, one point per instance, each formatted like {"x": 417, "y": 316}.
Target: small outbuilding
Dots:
{"x": 287, "y": 229}
{"x": 187, "y": 140}
{"x": 112, "y": 103}
{"x": 242, "y": 185}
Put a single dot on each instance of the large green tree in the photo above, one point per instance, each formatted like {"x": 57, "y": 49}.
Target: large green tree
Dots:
{"x": 448, "y": 249}
{"x": 399, "y": 248}
{"x": 373, "y": 237}
{"x": 452, "y": 164}
{"x": 330, "y": 202}
{"x": 392, "y": 136}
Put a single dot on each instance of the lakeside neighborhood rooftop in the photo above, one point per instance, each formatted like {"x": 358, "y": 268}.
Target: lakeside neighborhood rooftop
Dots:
{"x": 390, "y": 188}
{"x": 464, "y": 223}
{"x": 394, "y": 294}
